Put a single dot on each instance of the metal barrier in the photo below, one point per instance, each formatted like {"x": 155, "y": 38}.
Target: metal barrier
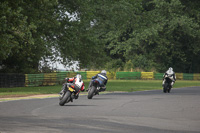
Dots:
{"x": 12, "y": 80}
{"x": 128, "y": 75}
{"x": 45, "y": 79}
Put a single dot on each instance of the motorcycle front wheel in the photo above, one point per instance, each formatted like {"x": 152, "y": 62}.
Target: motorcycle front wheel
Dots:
{"x": 65, "y": 98}
{"x": 165, "y": 87}
{"x": 169, "y": 89}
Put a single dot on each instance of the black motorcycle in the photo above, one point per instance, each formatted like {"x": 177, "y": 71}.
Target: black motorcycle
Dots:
{"x": 167, "y": 85}
{"x": 94, "y": 89}
{"x": 67, "y": 95}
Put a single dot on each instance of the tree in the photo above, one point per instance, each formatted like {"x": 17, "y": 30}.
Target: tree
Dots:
{"x": 145, "y": 34}
{"x": 26, "y": 28}
{"x": 35, "y": 30}
{"x": 155, "y": 34}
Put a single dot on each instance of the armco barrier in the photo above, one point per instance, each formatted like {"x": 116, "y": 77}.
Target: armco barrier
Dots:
{"x": 34, "y": 79}
{"x": 188, "y": 76}
{"x": 61, "y": 77}
{"x": 111, "y": 75}
{"x": 128, "y": 75}
{"x": 71, "y": 74}
{"x": 43, "y": 79}
{"x": 49, "y": 79}
{"x": 158, "y": 76}
{"x": 179, "y": 76}
{"x": 90, "y": 74}
{"x": 147, "y": 75}
{"x": 83, "y": 74}
{"x": 196, "y": 76}
{"x": 12, "y": 80}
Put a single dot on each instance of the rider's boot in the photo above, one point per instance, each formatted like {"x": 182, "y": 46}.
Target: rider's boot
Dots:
{"x": 97, "y": 93}
{"x": 76, "y": 96}
{"x": 71, "y": 99}
{"x": 61, "y": 92}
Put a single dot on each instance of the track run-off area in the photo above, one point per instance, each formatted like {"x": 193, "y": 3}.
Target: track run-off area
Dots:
{"x": 118, "y": 112}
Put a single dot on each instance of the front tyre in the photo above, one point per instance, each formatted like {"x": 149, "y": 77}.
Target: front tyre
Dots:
{"x": 91, "y": 92}
{"x": 65, "y": 98}
{"x": 165, "y": 87}
{"x": 169, "y": 89}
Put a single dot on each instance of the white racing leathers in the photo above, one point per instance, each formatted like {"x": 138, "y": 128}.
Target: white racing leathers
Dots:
{"x": 171, "y": 75}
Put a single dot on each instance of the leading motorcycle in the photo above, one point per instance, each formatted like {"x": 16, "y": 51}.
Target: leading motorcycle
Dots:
{"x": 167, "y": 84}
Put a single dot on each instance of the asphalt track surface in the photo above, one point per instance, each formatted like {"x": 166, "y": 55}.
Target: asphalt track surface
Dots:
{"x": 135, "y": 112}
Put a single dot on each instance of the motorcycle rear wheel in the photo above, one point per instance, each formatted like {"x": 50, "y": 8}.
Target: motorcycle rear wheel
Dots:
{"x": 91, "y": 92}
{"x": 65, "y": 98}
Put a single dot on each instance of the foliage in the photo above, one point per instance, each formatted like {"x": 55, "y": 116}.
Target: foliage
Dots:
{"x": 156, "y": 34}
{"x": 114, "y": 34}
{"x": 26, "y": 29}
{"x": 114, "y": 65}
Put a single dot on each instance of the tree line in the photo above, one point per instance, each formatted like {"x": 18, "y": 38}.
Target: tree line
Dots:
{"x": 138, "y": 35}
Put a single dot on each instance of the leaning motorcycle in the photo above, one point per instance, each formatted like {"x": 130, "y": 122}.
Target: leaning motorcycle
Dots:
{"x": 167, "y": 85}
{"x": 93, "y": 89}
{"x": 68, "y": 95}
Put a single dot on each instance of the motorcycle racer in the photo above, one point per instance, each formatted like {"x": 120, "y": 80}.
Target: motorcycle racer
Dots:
{"x": 101, "y": 78}
{"x": 76, "y": 83}
{"x": 171, "y": 75}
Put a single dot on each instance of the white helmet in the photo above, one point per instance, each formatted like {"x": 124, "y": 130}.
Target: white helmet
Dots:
{"x": 170, "y": 69}
{"x": 103, "y": 71}
{"x": 78, "y": 76}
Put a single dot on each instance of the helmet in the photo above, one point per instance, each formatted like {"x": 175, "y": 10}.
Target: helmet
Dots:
{"x": 78, "y": 76}
{"x": 170, "y": 69}
{"x": 103, "y": 71}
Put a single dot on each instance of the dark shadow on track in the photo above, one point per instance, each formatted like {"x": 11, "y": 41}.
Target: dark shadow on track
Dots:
{"x": 98, "y": 98}
{"x": 74, "y": 105}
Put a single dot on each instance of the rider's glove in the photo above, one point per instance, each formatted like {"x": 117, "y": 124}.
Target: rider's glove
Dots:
{"x": 67, "y": 79}
{"x": 83, "y": 89}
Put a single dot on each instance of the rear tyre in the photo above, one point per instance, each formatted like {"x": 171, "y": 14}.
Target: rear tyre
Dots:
{"x": 65, "y": 98}
{"x": 91, "y": 92}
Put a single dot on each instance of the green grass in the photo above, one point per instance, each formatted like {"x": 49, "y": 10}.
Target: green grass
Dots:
{"x": 16, "y": 91}
{"x": 113, "y": 85}
{"x": 141, "y": 85}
